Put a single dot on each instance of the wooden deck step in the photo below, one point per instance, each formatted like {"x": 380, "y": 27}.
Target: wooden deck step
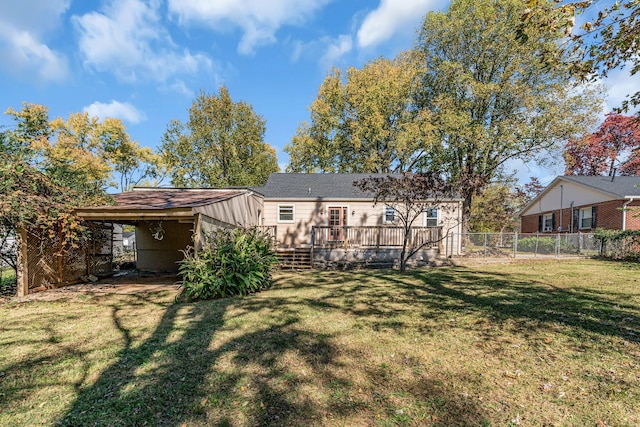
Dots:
{"x": 294, "y": 258}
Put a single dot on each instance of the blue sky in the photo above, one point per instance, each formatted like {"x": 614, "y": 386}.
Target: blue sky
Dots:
{"x": 145, "y": 61}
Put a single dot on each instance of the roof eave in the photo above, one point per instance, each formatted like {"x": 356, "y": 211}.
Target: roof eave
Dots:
{"x": 101, "y": 214}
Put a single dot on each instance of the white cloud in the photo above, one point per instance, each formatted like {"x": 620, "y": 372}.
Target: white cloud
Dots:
{"x": 119, "y": 110}
{"x": 392, "y": 17}
{"x": 336, "y": 49}
{"x": 35, "y": 16}
{"x": 259, "y": 20}
{"x": 23, "y": 26}
{"x": 621, "y": 83}
{"x": 128, "y": 39}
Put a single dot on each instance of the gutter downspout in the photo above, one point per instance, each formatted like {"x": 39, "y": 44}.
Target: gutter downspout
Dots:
{"x": 624, "y": 211}
{"x": 571, "y": 225}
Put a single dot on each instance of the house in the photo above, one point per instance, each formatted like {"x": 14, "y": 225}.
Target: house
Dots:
{"x": 323, "y": 215}
{"x": 325, "y": 210}
{"x": 583, "y": 203}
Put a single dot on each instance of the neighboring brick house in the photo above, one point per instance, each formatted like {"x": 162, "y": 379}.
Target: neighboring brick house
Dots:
{"x": 583, "y": 203}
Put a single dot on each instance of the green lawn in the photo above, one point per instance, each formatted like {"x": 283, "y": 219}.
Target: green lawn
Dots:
{"x": 7, "y": 282}
{"x": 532, "y": 343}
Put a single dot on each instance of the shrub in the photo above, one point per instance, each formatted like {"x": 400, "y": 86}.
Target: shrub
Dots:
{"x": 618, "y": 244}
{"x": 231, "y": 262}
{"x": 546, "y": 245}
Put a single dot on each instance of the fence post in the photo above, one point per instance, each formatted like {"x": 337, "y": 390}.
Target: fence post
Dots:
{"x": 557, "y": 246}
{"x": 580, "y": 242}
{"x": 485, "y": 245}
{"x": 515, "y": 244}
{"x": 535, "y": 251}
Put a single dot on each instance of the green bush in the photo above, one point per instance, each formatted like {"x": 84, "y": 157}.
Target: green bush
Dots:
{"x": 546, "y": 245}
{"x": 231, "y": 262}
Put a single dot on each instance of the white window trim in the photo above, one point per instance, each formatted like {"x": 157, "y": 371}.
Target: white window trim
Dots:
{"x": 426, "y": 218}
{"x": 544, "y": 222}
{"x": 581, "y": 217}
{"x": 293, "y": 210}
{"x": 384, "y": 215}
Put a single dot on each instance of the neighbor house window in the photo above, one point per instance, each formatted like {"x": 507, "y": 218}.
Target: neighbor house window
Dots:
{"x": 285, "y": 213}
{"x": 547, "y": 222}
{"x": 431, "y": 217}
{"x": 389, "y": 215}
{"x": 586, "y": 217}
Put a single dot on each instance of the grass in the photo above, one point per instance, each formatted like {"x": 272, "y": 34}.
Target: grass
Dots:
{"x": 537, "y": 343}
{"x": 7, "y": 281}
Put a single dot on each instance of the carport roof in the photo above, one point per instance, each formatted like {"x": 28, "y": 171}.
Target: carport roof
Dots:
{"x": 145, "y": 202}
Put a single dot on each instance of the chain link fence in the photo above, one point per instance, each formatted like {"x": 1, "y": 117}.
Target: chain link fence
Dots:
{"x": 525, "y": 245}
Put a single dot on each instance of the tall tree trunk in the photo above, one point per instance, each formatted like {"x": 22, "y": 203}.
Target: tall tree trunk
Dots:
{"x": 466, "y": 212}
{"x": 403, "y": 252}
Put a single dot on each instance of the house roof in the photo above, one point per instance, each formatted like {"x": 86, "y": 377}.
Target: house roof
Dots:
{"x": 315, "y": 186}
{"x": 619, "y": 186}
{"x": 165, "y": 198}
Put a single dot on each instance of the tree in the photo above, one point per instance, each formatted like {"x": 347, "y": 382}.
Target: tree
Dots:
{"x": 221, "y": 145}
{"x": 81, "y": 152}
{"x": 491, "y": 98}
{"x": 607, "y": 42}
{"x": 613, "y": 147}
{"x": 364, "y": 122}
{"x": 133, "y": 164}
{"x": 409, "y": 195}
{"x": 496, "y": 208}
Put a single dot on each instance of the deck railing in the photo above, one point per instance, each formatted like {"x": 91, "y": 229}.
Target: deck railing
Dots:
{"x": 270, "y": 230}
{"x": 373, "y": 236}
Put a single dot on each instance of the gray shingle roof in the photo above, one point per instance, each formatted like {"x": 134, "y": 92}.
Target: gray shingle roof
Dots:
{"x": 165, "y": 198}
{"x": 314, "y": 186}
{"x": 619, "y": 187}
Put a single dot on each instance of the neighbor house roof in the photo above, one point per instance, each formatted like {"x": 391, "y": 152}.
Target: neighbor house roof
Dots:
{"x": 315, "y": 186}
{"x": 619, "y": 186}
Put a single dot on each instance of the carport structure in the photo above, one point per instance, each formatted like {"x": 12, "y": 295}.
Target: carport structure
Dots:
{"x": 166, "y": 220}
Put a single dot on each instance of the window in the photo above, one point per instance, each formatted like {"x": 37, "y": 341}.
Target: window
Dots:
{"x": 389, "y": 215}
{"x": 586, "y": 217}
{"x": 285, "y": 213}
{"x": 431, "y": 217}
{"x": 548, "y": 222}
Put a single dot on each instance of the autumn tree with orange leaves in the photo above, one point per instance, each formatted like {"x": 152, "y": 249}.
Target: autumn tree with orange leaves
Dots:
{"x": 613, "y": 148}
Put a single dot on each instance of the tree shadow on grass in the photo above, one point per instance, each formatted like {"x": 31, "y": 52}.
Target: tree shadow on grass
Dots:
{"x": 175, "y": 376}
{"x": 204, "y": 364}
{"x": 382, "y": 299}
{"x": 533, "y": 304}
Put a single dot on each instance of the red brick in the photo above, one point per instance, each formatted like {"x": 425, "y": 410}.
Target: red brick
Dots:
{"x": 609, "y": 217}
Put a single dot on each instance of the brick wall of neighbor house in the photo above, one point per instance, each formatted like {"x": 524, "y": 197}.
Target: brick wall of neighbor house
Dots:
{"x": 633, "y": 215}
{"x": 609, "y": 216}
{"x": 529, "y": 224}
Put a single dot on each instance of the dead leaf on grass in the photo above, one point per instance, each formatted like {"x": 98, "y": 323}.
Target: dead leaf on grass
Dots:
{"x": 514, "y": 374}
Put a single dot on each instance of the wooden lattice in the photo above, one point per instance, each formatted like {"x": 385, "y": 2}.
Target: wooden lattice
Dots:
{"x": 49, "y": 263}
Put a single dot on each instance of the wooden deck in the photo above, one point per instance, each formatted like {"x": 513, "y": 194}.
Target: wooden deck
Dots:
{"x": 294, "y": 258}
